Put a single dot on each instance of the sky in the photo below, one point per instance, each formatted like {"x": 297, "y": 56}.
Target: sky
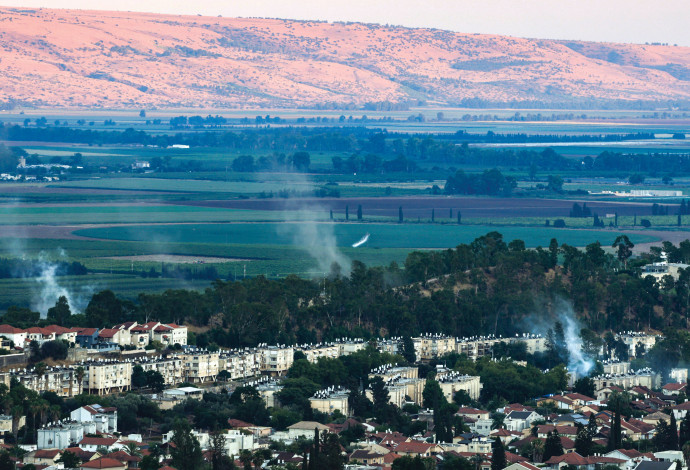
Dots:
{"x": 636, "y": 21}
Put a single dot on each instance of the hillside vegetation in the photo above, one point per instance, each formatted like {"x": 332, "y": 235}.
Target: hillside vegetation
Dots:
{"x": 123, "y": 59}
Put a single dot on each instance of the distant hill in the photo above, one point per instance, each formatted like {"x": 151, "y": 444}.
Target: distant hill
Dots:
{"x": 116, "y": 59}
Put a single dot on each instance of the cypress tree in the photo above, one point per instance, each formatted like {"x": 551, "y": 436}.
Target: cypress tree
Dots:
{"x": 347, "y": 212}
{"x": 450, "y": 213}
{"x": 616, "y": 223}
{"x": 459, "y": 218}
{"x": 684, "y": 431}
{"x": 331, "y": 214}
{"x": 498, "y": 455}
{"x": 400, "y": 215}
{"x": 359, "y": 212}
{"x": 673, "y": 433}
{"x": 433, "y": 214}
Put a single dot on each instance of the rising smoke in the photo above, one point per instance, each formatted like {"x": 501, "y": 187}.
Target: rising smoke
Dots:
{"x": 47, "y": 288}
{"x": 312, "y": 232}
{"x": 561, "y": 310}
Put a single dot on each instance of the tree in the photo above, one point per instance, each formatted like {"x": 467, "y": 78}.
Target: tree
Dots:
{"x": 555, "y": 183}
{"x": 138, "y": 377}
{"x": 331, "y": 458}
{"x": 553, "y": 446}
{"x": 6, "y": 462}
{"x": 636, "y": 178}
{"x": 584, "y": 386}
{"x": 624, "y": 248}
{"x": 583, "y": 441}
{"x": 408, "y": 351}
{"x": 400, "y": 215}
{"x": 243, "y": 163}
{"x": 69, "y": 460}
{"x": 301, "y": 161}
{"x": 155, "y": 380}
{"x": 498, "y": 457}
{"x": 60, "y": 313}
{"x": 359, "y": 212}
{"x": 186, "y": 454}
{"x": 149, "y": 462}
{"x": 684, "y": 430}
{"x": 672, "y": 434}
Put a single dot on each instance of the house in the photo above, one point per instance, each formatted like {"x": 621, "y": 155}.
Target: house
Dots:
{"x": 64, "y": 334}
{"x": 520, "y": 420}
{"x": 680, "y": 410}
{"x": 42, "y": 457}
{"x": 87, "y": 337}
{"x": 630, "y": 457}
{"x": 104, "y": 462}
{"x": 416, "y": 448}
{"x": 570, "y": 460}
{"x": 603, "y": 394}
{"x": 521, "y": 466}
{"x": 112, "y": 335}
{"x": 16, "y": 335}
{"x": 567, "y": 431}
{"x": 39, "y": 334}
{"x": 467, "y": 412}
{"x": 105, "y": 418}
{"x": 674, "y": 389}
{"x": 305, "y": 429}
{"x": 91, "y": 444}
{"x": 365, "y": 457}
{"x": 648, "y": 465}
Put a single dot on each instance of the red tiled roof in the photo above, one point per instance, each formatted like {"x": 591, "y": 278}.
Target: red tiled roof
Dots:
{"x": 675, "y": 386}
{"x": 108, "y": 333}
{"x": 46, "y": 453}
{"x": 123, "y": 456}
{"x": 59, "y": 330}
{"x": 98, "y": 441}
{"x": 87, "y": 332}
{"x": 103, "y": 462}
{"x": 528, "y": 466}
{"x": 413, "y": 447}
{"x": 545, "y": 428}
{"x": 515, "y": 458}
{"x": 470, "y": 411}
{"x": 579, "y": 396}
{"x": 8, "y": 329}
{"x": 572, "y": 458}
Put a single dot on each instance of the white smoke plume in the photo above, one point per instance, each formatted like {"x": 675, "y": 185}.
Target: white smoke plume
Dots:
{"x": 48, "y": 288}
{"x": 316, "y": 238}
{"x": 561, "y": 310}
{"x": 311, "y": 230}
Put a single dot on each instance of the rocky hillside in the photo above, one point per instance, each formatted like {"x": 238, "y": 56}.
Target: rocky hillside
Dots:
{"x": 116, "y": 59}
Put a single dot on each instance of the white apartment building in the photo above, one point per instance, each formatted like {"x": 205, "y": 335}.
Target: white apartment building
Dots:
{"x": 60, "y": 380}
{"x": 453, "y": 382}
{"x": 105, "y": 377}
{"x": 331, "y": 399}
{"x": 200, "y": 366}
{"x": 430, "y": 346}
{"x": 276, "y": 360}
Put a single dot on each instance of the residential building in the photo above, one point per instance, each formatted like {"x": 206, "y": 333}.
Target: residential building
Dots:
{"x": 430, "y": 346}
{"x": 200, "y": 366}
{"x": 520, "y": 420}
{"x": 331, "y": 399}
{"x": 61, "y": 380}
{"x": 61, "y": 435}
{"x": 16, "y": 335}
{"x": 109, "y": 376}
{"x": 453, "y": 382}
{"x": 105, "y": 418}
{"x": 276, "y": 360}
{"x": 306, "y": 429}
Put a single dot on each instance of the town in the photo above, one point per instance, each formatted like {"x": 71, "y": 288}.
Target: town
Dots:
{"x": 414, "y": 407}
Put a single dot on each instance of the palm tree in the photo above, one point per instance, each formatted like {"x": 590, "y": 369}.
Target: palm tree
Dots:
{"x": 79, "y": 373}
{"x": 537, "y": 450}
{"x": 246, "y": 459}
{"x": 132, "y": 449}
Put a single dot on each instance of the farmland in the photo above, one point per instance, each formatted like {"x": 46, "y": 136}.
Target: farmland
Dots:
{"x": 194, "y": 208}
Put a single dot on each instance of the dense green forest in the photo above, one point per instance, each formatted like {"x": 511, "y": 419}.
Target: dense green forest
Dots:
{"x": 485, "y": 287}
{"x": 370, "y": 150}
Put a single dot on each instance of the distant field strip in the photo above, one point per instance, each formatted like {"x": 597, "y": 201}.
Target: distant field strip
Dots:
{"x": 381, "y": 235}
{"x": 186, "y": 185}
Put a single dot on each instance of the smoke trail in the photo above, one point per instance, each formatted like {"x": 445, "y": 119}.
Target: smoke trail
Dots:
{"x": 361, "y": 242}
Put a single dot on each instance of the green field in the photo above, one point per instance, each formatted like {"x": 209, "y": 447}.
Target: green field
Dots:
{"x": 413, "y": 236}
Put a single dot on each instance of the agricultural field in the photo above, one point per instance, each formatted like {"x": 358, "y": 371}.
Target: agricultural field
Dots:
{"x": 197, "y": 214}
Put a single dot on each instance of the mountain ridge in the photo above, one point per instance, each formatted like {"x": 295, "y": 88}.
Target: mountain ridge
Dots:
{"x": 86, "y": 58}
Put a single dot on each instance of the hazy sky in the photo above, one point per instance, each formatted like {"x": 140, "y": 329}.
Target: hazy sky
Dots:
{"x": 637, "y": 21}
